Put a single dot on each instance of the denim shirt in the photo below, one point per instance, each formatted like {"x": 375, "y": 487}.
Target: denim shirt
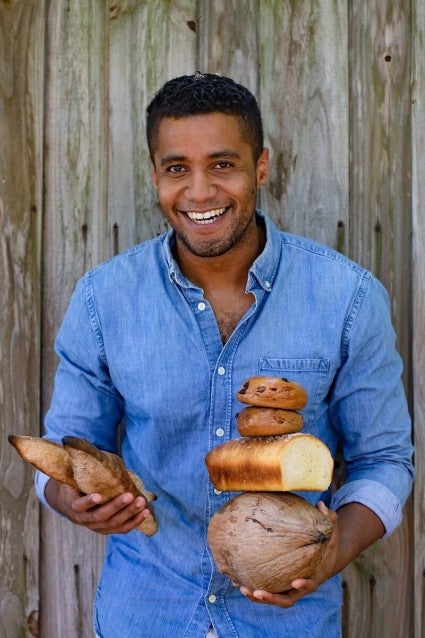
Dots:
{"x": 140, "y": 344}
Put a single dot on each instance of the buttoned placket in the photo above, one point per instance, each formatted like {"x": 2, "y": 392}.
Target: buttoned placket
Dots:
{"x": 220, "y": 358}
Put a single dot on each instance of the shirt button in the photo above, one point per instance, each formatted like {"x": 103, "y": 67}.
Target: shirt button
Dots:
{"x": 212, "y": 598}
{"x": 219, "y": 431}
{"x": 201, "y": 305}
{"x": 216, "y": 491}
{"x": 221, "y": 371}
{"x": 267, "y": 285}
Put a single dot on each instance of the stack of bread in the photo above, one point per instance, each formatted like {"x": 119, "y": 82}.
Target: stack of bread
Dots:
{"x": 272, "y": 453}
{"x": 265, "y": 537}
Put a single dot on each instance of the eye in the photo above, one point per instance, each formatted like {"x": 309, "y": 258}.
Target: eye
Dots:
{"x": 176, "y": 168}
{"x": 222, "y": 164}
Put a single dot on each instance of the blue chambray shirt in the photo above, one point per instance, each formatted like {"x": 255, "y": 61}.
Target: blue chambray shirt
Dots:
{"x": 140, "y": 343}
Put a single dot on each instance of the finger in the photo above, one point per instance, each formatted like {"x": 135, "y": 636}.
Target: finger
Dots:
{"x": 330, "y": 514}
{"x": 304, "y": 585}
{"x": 284, "y": 600}
{"x": 115, "y": 513}
{"x": 84, "y": 503}
{"x": 118, "y": 526}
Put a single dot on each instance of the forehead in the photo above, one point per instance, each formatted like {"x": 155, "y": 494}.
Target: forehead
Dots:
{"x": 207, "y": 132}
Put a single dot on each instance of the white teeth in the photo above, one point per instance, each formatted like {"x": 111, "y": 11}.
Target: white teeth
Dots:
{"x": 205, "y": 218}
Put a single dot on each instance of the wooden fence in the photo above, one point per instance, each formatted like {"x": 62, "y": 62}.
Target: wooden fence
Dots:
{"x": 341, "y": 84}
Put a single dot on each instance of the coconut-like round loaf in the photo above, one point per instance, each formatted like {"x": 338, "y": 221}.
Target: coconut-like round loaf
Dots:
{"x": 256, "y": 421}
{"x": 264, "y": 541}
{"x": 272, "y": 392}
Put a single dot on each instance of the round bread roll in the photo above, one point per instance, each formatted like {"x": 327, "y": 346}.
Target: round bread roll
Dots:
{"x": 272, "y": 392}
{"x": 255, "y": 421}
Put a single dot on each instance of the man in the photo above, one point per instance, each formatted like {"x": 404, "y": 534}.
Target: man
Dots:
{"x": 165, "y": 334}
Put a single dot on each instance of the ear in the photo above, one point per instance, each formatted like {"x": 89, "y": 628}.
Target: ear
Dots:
{"x": 154, "y": 175}
{"x": 262, "y": 169}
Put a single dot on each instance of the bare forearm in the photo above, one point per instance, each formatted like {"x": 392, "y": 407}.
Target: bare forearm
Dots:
{"x": 359, "y": 528}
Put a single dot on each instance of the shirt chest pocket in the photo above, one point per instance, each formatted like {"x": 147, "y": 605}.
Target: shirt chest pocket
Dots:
{"x": 314, "y": 374}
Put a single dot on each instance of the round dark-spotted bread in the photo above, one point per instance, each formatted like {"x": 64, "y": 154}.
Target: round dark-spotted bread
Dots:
{"x": 272, "y": 392}
{"x": 255, "y": 421}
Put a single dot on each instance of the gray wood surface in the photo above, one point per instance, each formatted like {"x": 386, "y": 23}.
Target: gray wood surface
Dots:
{"x": 341, "y": 86}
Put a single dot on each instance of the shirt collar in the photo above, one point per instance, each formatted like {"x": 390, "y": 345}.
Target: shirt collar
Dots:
{"x": 262, "y": 271}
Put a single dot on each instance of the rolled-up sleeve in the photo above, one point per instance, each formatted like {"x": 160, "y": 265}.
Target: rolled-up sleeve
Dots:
{"x": 369, "y": 410}
{"x": 85, "y": 402}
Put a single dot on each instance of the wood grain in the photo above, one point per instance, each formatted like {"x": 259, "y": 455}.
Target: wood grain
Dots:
{"x": 21, "y": 162}
{"x": 304, "y": 99}
{"x": 417, "y": 543}
{"x": 341, "y": 88}
{"x": 75, "y": 238}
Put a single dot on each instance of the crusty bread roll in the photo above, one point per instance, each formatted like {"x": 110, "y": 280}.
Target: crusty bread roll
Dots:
{"x": 272, "y": 392}
{"x": 291, "y": 462}
{"x": 255, "y": 421}
{"x": 87, "y": 469}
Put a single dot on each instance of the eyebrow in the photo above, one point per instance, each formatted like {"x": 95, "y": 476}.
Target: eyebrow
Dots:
{"x": 169, "y": 159}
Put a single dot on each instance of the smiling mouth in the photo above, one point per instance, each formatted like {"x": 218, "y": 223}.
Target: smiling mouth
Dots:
{"x": 206, "y": 218}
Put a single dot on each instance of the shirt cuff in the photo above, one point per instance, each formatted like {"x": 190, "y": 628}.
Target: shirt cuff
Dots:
{"x": 376, "y": 497}
{"x": 40, "y": 483}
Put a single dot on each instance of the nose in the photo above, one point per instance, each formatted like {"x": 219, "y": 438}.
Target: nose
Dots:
{"x": 201, "y": 186}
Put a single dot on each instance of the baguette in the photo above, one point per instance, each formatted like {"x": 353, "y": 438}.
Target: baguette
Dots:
{"x": 271, "y": 392}
{"x": 291, "y": 462}
{"x": 104, "y": 472}
{"x": 255, "y": 421}
{"x": 47, "y": 456}
{"x": 84, "y": 467}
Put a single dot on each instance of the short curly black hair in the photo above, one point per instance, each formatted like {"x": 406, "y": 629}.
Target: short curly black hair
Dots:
{"x": 203, "y": 93}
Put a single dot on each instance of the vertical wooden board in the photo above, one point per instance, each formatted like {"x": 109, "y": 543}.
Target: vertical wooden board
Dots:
{"x": 380, "y": 146}
{"x": 418, "y": 306}
{"x": 74, "y": 238}
{"x": 228, "y": 40}
{"x": 21, "y": 164}
{"x": 150, "y": 42}
{"x": 379, "y": 55}
{"x": 304, "y": 99}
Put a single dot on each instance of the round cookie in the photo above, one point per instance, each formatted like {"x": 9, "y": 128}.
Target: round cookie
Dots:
{"x": 256, "y": 421}
{"x": 272, "y": 392}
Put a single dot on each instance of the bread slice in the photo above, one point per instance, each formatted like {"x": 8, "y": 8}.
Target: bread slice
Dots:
{"x": 255, "y": 421}
{"x": 291, "y": 462}
{"x": 272, "y": 392}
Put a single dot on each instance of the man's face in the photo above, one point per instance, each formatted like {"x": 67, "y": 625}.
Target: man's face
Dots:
{"x": 207, "y": 180}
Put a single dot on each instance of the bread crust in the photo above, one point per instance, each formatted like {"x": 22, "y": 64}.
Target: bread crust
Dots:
{"x": 272, "y": 392}
{"x": 47, "y": 456}
{"x": 291, "y": 462}
{"x": 256, "y": 421}
{"x": 86, "y": 468}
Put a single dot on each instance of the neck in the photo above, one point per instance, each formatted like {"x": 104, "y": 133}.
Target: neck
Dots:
{"x": 227, "y": 272}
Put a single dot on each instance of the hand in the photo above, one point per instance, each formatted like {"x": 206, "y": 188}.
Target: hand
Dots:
{"x": 118, "y": 516}
{"x": 303, "y": 586}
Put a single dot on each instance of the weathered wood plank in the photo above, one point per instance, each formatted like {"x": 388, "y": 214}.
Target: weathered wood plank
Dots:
{"x": 379, "y": 583}
{"x": 304, "y": 99}
{"x": 137, "y": 70}
{"x": 75, "y": 238}
{"x": 418, "y": 308}
{"x": 21, "y": 165}
{"x": 333, "y": 80}
{"x": 228, "y": 40}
